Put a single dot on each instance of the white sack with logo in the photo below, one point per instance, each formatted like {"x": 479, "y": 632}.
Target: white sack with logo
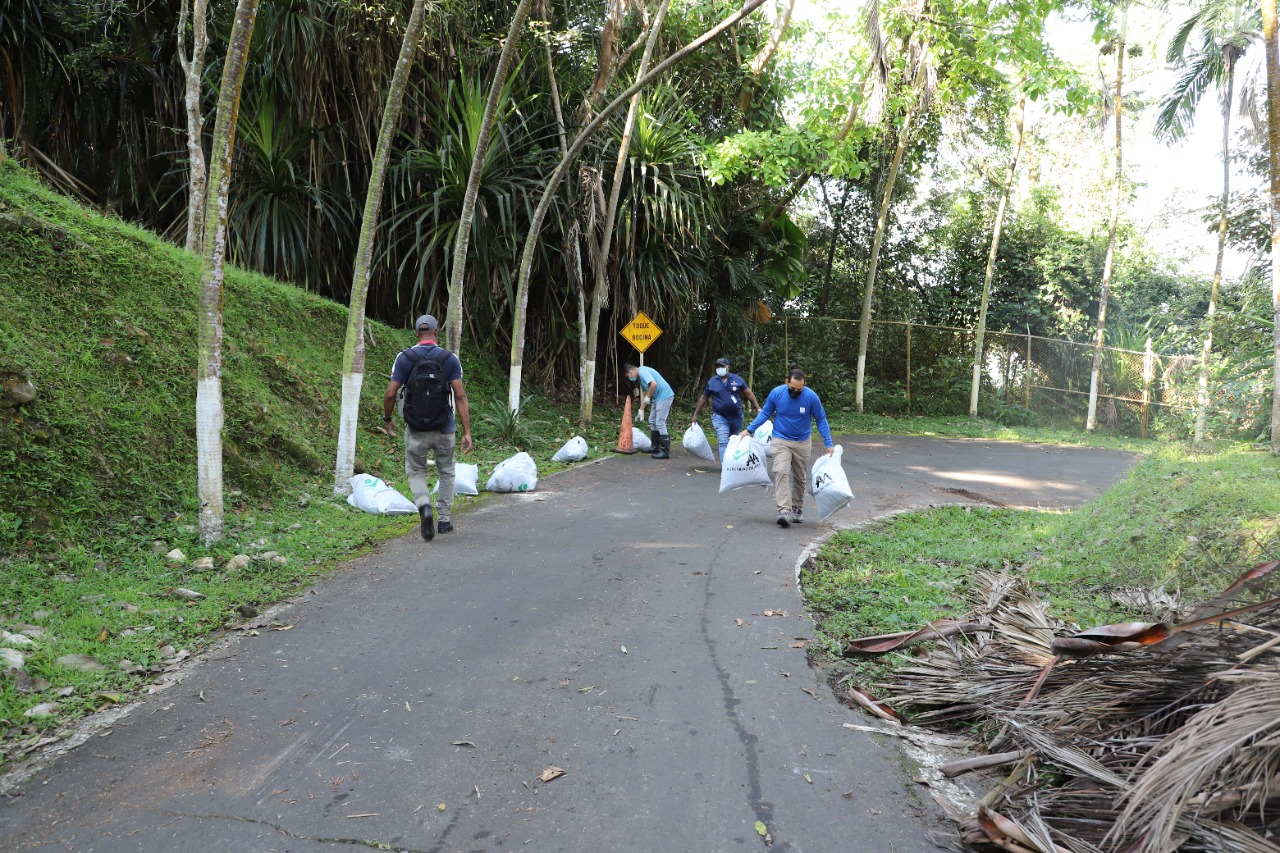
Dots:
{"x": 828, "y": 484}
{"x": 517, "y": 473}
{"x": 695, "y": 441}
{"x": 374, "y": 496}
{"x": 574, "y": 450}
{"x": 465, "y": 479}
{"x": 743, "y": 465}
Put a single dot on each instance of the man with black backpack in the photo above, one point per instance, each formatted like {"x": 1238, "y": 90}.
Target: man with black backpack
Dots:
{"x": 427, "y": 380}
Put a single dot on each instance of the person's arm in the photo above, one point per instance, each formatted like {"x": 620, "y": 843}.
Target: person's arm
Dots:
{"x": 763, "y": 415}
{"x": 698, "y": 408}
{"x": 752, "y": 397}
{"x": 820, "y": 415}
{"x": 464, "y": 413}
{"x": 652, "y": 389}
{"x": 389, "y": 406}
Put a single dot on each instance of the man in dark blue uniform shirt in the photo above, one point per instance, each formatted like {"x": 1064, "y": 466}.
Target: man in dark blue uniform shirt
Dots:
{"x": 726, "y": 391}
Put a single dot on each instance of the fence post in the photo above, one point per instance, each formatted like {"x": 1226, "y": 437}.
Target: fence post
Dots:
{"x": 1148, "y": 373}
{"x": 1027, "y": 390}
{"x": 908, "y": 367}
{"x": 751, "y": 370}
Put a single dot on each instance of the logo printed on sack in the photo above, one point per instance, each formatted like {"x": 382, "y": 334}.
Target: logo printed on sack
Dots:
{"x": 821, "y": 480}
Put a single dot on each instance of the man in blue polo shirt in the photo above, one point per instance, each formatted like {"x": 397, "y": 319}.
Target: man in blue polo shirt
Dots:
{"x": 726, "y": 391}
{"x": 794, "y": 409}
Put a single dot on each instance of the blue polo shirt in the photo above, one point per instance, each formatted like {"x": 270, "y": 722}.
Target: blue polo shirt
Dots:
{"x": 662, "y": 392}
{"x": 793, "y": 418}
{"x": 404, "y": 364}
{"x": 726, "y": 395}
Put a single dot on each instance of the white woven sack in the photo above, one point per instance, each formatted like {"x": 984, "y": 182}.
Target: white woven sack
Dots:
{"x": 640, "y": 440}
{"x": 695, "y": 441}
{"x": 374, "y": 496}
{"x": 465, "y": 479}
{"x": 574, "y": 450}
{"x": 829, "y": 485}
{"x": 764, "y": 435}
{"x": 518, "y": 473}
{"x": 743, "y": 465}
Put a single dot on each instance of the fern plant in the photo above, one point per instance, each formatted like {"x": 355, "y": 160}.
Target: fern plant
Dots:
{"x": 509, "y": 427}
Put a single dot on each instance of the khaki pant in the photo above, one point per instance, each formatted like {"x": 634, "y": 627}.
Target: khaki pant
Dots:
{"x": 416, "y": 447}
{"x": 790, "y": 473}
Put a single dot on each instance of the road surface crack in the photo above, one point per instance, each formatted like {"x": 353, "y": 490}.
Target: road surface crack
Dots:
{"x": 359, "y": 842}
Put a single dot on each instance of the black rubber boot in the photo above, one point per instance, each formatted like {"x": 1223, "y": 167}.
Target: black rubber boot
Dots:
{"x": 664, "y": 448}
{"x": 655, "y": 442}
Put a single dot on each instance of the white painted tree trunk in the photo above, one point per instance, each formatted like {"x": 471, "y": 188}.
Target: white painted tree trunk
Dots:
{"x": 991, "y": 263}
{"x": 353, "y": 353}
{"x": 209, "y": 416}
{"x": 882, "y": 222}
{"x": 1091, "y": 420}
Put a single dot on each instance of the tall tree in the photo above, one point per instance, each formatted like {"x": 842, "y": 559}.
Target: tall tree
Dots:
{"x": 1272, "y": 40}
{"x": 601, "y": 253}
{"x": 1225, "y": 36}
{"x": 209, "y": 415}
{"x": 193, "y": 70}
{"x": 918, "y": 82}
{"x": 520, "y": 309}
{"x": 991, "y": 257}
{"x": 353, "y": 351}
{"x": 1108, "y": 265}
{"x": 453, "y": 325}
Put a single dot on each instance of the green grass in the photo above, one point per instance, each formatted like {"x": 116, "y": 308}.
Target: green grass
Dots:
{"x": 97, "y": 474}
{"x": 1179, "y": 521}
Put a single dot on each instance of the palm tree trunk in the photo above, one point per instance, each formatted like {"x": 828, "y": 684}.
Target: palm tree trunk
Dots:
{"x": 1202, "y": 397}
{"x": 520, "y": 311}
{"x": 600, "y": 267}
{"x": 353, "y": 351}
{"x": 1091, "y": 420}
{"x": 1272, "y": 39}
{"x": 209, "y": 415}
{"x": 864, "y": 327}
{"x": 991, "y": 260}
{"x": 193, "y": 69}
{"x": 453, "y": 328}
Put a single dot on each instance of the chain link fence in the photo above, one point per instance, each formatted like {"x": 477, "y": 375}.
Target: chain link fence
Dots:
{"x": 919, "y": 369}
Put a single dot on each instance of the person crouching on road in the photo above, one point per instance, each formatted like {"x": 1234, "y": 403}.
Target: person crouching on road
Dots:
{"x": 434, "y": 374}
{"x": 655, "y": 389}
{"x": 726, "y": 391}
{"x": 794, "y": 408}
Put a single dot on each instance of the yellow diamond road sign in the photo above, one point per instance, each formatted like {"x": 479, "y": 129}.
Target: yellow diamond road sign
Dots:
{"x": 641, "y": 332}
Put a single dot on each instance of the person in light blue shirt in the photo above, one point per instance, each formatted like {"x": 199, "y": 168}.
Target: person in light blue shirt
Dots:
{"x": 794, "y": 409}
{"x": 656, "y": 390}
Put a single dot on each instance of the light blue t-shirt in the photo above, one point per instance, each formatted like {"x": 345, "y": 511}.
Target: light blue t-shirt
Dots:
{"x": 662, "y": 392}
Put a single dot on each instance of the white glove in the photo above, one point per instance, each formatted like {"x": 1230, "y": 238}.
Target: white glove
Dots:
{"x": 642, "y": 417}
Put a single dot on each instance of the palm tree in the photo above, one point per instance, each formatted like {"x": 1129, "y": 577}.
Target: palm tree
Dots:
{"x": 1271, "y": 38}
{"x": 193, "y": 69}
{"x": 991, "y": 258}
{"x": 1108, "y": 264}
{"x": 601, "y": 252}
{"x": 453, "y": 327}
{"x": 353, "y": 351}
{"x": 919, "y": 81}
{"x": 520, "y": 309}
{"x": 1225, "y": 35}
{"x": 209, "y": 416}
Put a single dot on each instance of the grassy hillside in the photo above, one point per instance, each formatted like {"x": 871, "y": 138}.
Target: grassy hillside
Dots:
{"x": 100, "y": 317}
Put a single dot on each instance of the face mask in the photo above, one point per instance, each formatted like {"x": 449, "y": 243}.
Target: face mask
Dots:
{"x": 722, "y": 371}
{"x": 794, "y": 392}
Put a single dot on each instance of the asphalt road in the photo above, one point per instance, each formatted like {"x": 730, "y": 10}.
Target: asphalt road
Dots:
{"x": 591, "y": 627}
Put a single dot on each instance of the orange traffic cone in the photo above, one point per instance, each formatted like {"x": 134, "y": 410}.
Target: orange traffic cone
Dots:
{"x": 625, "y": 444}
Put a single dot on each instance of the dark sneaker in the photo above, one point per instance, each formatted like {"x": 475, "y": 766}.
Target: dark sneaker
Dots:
{"x": 784, "y": 519}
{"x": 445, "y": 527}
{"x": 428, "y": 527}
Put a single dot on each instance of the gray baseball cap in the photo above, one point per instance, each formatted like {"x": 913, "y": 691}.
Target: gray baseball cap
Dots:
{"x": 426, "y": 321}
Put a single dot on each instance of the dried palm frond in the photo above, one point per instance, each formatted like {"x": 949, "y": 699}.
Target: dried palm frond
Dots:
{"x": 1225, "y": 758}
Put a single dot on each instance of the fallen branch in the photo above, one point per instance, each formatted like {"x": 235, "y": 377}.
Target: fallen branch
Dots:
{"x": 953, "y": 769}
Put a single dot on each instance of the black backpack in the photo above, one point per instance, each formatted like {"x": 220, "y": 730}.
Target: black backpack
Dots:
{"x": 428, "y": 404}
